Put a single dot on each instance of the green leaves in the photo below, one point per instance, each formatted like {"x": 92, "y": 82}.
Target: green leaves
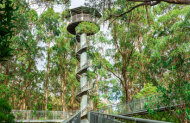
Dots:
{"x": 148, "y": 90}
{"x": 6, "y": 29}
{"x": 5, "y": 111}
{"x": 65, "y": 14}
{"x": 49, "y": 23}
{"x": 87, "y": 27}
{"x": 32, "y": 15}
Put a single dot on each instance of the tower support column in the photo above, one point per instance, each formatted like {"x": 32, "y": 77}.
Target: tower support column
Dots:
{"x": 77, "y": 16}
{"x": 83, "y": 79}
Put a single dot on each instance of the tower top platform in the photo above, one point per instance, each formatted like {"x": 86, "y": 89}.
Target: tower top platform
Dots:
{"x": 85, "y": 10}
{"x": 81, "y": 14}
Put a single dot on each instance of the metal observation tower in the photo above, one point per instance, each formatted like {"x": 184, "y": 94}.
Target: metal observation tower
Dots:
{"x": 78, "y": 15}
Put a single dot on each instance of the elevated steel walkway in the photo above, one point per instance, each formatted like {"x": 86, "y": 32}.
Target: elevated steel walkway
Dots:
{"x": 29, "y": 116}
{"x": 112, "y": 113}
{"x": 138, "y": 106}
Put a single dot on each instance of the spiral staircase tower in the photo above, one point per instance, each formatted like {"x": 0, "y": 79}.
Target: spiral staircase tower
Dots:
{"x": 78, "y": 15}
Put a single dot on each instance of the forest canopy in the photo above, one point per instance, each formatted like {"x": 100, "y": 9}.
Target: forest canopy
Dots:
{"x": 139, "y": 48}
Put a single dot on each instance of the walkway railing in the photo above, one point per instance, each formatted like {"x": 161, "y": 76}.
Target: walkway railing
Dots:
{"x": 96, "y": 117}
{"x": 84, "y": 88}
{"x": 83, "y": 17}
{"x": 79, "y": 68}
{"x": 79, "y": 47}
{"x": 28, "y": 115}
{"x": 112, "y": 113}
{"x": 136, "y": 106}
{"x": 74, "y": 119}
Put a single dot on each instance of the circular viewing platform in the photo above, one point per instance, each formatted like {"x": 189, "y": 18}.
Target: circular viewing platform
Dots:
{"x": 76, "y": 19}
{"x": 81, "y": 14}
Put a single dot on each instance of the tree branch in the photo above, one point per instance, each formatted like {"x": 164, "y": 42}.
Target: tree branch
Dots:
{"x": 141, "y": 4}
{"x": 168, "y": 1}
{"x": 116, "y": 43}
{"x": 115, "y": 75}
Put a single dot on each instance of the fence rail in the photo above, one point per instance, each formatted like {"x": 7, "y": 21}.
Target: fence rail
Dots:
{"x": 79, "y": 68}
{"x": 96, "y": 117}
{"x": 83, "y": 17}
{"x": 136, "y": 106}
{"x": 79, "y": 47}
{"x": 74, "y": 119}
{"x": 40, "y": 115}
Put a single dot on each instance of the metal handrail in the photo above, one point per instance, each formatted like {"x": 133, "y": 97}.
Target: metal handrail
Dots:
{"x": 135, "y": 106}
{"x": 87, "y": 86}
{"x": 135, "y": 100}
{"x": 83, "y": 17}
{"x": 40, "y": 115}
{"x": 78, "y": 68}
{"x": 102, "y": 116}
{"x": 75, "y": 118}
{"x": 85, "y": 110}
{"x": 79, "y": 47}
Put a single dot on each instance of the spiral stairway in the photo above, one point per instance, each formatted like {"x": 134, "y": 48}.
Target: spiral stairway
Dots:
{"x": 78, "y": 15}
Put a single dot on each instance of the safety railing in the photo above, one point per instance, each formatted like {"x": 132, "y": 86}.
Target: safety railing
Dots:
{"x": 84, "y": 111}
{"x": 42, "y": 115}
{"x": 82, "y": 17}
{"x": 74, "y": 119}
{"x": 86, "y": 87}
{"x": 79, "y": 47}
{"x": 85, "y": 66}
{"x": 136, "y": 106}
{"x": 96, "y": 117}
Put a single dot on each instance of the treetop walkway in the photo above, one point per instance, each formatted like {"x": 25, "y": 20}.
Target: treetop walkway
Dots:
{"x": 110, "y": 114}
{"x": 138, "y": 106}
{"x": 42, "y": 116}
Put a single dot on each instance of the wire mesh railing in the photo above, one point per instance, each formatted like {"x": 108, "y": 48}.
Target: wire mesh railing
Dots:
{"x": 83, "y": 17}
{"x": 136, "y": 106}
{"x": 42, "y": 115}
{"x": 96, "y": 117}
{"x": 79, "y": 47}
{"x": 79, "y": 68}
{"x": 74, "y": 119}
{"x": 84, "y": 88}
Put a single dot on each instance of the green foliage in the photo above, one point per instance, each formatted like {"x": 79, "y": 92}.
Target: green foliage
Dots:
{"x": 48, "y": 24}
{"x": 5, "y": 108}
{"x": 6, "y": 33}
{"x": 147, "y": 48}
{"x": 65, "y": 14}
{"x": 5, "y": 111}
{"x": 170, "y": 58}
{"x": 32, "y": 15}
{"x": 5, "y": 92}
{"x": 148, "y": 90}
{"x": 6, "y": 28}
{"x": 87, "y": 27}
{"x": 160, "y": 116}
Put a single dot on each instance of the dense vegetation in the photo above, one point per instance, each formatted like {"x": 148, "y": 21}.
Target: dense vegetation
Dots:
{"x": 144, "y": 50}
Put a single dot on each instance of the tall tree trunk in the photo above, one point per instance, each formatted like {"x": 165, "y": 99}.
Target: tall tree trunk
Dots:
{"x": 63, "y": 84}
{"x": 47, "y": 79}
{"x": 126, "y": 87}
{"x": 97, "y": 92}
{"x": 6, "y": 73}
{"x": 24, "y": 104}
{"x": 72, "y": 99}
